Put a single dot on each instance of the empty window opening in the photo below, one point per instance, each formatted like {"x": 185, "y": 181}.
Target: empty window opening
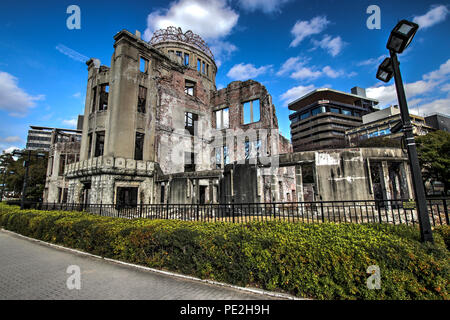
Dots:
{"x": 139, "y": 146}
{"x": 203, "y": 68}
{"x": 251, "y": 111}
{"x": 222, "y": 118}
{"x": 222, "y": 153}
{"x": 90, "y": 145}
{"x": 189, "y": 162}
{"x": 161, "y": 200}
{"x": 280, "y": 190}
{"x": 190, "y": 120}
{"x": 218, "y": 158}
{"x": 99, "y": 143}
{"x": 179, "y": 53}
{"x": 143, "y": 65}
{"x": 142, "y": 99}
{"x": 189, "y": 87}
{"x": 199, "y": 65}
{"x": 62, "y": 164}
{"x": 207, "y": 69}
{"x": 94, "y": 98}
{"x": 252, "y": 149}
{"x": 126, "y": 197}
{"x": 226, "y": 156}
{"x": 104, "y": 92}
{"x": 186, "y": 59}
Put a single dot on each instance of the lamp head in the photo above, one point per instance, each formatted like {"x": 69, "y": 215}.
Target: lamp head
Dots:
{"x": 401, "y": 36}
{"x": 385, "y": 71}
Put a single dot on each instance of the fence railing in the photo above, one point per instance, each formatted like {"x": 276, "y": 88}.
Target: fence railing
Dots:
{"x": 361, "y": 211}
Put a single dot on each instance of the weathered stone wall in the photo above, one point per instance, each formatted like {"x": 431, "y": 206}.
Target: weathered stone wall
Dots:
{"x": 163, "y": 124}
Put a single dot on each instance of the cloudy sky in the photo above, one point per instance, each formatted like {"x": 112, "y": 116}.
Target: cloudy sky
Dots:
{"x": 291, "y": 46}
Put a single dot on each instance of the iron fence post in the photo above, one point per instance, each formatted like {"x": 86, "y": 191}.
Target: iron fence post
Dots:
{"x": 321, "y": 209}
{"x": 232, "y": 209}
{"x": 274, "y": 211}
{"x": 445, "y": 211}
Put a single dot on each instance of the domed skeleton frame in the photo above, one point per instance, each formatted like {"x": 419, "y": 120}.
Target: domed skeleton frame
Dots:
{"x": 176, "y": 34}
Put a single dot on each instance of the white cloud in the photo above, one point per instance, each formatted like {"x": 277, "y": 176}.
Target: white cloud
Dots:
{"x": 76, "y": 95}
{"x": 11, "y": 139}
{"x": 446, "y": 87}
{"x": 222, "y": 50}
{"x": 300, "y": 71}
{"x": 306, "y": 73}
{"x": 372, "y": 62}
{"x": 211, "y": 19}
{"x": 71, "y": 123}
{"x": 333, "y": 45}
{"x": 295, "y": 93}
{"x": 304, "y": 29}
{"x": 246, "y": 71}
{"x": 443, "y": 71}
{"x": 328, "y": 71}
{"x": 10, "y": 149}
{"x": 266, "y": 6}
{"x": 439, "y": 105}
{"x": 432, "y": 17}
{"x": 388, "y": 95}
{"x": 72, "y": 54}
{"x": 14, "y": 99}
{"x": 293, "y": 63}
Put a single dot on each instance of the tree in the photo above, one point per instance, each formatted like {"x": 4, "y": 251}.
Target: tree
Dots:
{"x": 434, "y": 157}
{"x": 380, "y": 142}
{"x": 6, "y": 160}
{"x": 36, "y": 175}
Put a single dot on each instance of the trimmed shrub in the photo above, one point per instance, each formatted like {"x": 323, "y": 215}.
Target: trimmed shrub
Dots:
{"x": 321, "y": 261}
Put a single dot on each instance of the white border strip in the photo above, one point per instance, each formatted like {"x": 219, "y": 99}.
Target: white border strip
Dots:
{"x": 168, "y": 273}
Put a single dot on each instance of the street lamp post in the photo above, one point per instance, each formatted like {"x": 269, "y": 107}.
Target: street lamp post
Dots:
{"x": 399, "y": 40}
{"x": 25, "y": 180}
{"x": 26, "y": 164}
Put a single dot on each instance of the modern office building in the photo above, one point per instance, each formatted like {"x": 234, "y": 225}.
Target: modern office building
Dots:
{"x": 39, "y": 138}
{"x": 384, "y": 123}
{"x": 438, "y": 121}
{"x": 321, "y": 117}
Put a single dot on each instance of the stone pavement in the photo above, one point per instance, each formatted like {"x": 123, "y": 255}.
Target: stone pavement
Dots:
{"x": 30, "y": 270}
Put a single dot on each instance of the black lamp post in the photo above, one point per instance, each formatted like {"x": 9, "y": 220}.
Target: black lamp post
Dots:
{"x": 400, "y": 38}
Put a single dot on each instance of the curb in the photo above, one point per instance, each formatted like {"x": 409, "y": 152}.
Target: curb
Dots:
{"x": 167, "y": 273}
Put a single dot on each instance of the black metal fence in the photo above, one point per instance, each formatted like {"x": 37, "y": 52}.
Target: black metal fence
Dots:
{"x": 366, "y": 211}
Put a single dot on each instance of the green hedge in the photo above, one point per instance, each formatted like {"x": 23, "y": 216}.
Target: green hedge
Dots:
{"x": 322, "y": 261}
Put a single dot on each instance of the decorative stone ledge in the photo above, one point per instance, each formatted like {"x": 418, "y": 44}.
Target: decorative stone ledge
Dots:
{"x": 109, "y": 165}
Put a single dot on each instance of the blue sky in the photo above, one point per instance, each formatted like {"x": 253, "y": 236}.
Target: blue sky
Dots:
{"x": 291, "y": 46}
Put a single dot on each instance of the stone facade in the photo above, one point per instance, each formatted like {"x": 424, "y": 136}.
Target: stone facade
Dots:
{"x": 64, "y": 150}
{"x": 151, "y": 132}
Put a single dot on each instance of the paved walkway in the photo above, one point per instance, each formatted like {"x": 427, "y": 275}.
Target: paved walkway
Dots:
{"x": 30, "y": 270}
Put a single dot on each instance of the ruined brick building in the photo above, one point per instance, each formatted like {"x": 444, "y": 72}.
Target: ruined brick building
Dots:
{"x": 156, "y": 129}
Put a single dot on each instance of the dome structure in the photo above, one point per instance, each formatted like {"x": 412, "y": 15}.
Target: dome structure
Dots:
{"x": 174, "y": 34}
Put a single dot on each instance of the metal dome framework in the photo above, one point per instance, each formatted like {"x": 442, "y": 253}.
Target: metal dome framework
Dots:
{"x": 176, "y": 34}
